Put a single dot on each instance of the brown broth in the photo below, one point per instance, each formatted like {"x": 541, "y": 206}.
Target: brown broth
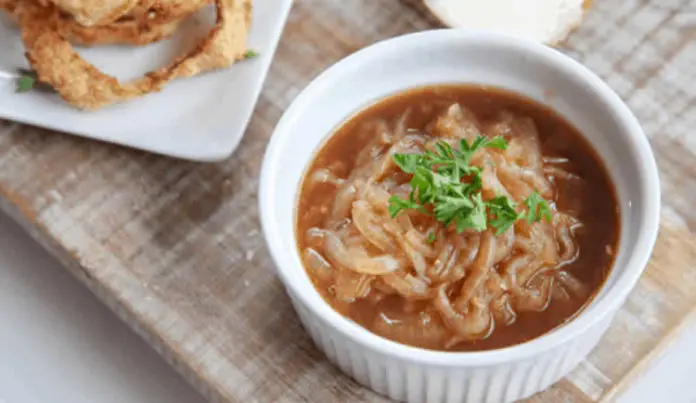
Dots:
{"x": 598, "y": 239}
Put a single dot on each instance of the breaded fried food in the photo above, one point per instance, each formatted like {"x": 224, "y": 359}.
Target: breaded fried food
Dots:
{"x": 126, "y": 30}
{"x": 158, "y": 11}
{"x": 129, "y": 32}
{"x": 150, "y": 21}
{"x": 57, "y": 64}
{"x": 91, "y": 13}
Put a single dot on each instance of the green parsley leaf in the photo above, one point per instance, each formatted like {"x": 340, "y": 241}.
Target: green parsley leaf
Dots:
{"x": 421, "y": 185}
{"x": 444, "y": 179}
{"x": 431, "y": 237}
{"x": 475, "y": 183}
{"x": 477, "y": 143}
{"x": 444, "y": 151}
{"x": 537, "y": 208}
{"x": 250, "y": 54}
{"x": 448, "y": 208}
{"x": 476, "y": 219}
{"x": 22, "y": 83}
{"x": 396, "y": 204}
{"x": 467, "y": 151}
{"x": 496, "y": 142}
{"x": 504, "y": 213}
{"x": 25, "y": 83}
{"x": 407, "y": 162}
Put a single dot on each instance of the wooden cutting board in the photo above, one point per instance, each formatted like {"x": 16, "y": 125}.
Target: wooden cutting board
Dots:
{"x": 174, "y": 248}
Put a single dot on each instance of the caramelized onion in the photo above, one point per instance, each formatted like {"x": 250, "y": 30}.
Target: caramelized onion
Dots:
{"x": 317, "y": 265}
{"x": 479, "y": 270}
{"x": 475, "y": 323}
{"x": 433, "y": 285}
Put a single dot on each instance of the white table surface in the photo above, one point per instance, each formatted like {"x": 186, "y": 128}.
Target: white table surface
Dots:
{"x": 58, "y": 343}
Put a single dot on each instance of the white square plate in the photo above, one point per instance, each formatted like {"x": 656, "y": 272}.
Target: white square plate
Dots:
{"x": 202, "y": 118}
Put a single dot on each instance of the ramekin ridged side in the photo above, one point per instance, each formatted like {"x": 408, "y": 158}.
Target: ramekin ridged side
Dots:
{"x": 413, "y": 382}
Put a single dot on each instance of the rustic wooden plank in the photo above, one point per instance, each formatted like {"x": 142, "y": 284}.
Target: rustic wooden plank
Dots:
{"x": 175, "y": 249}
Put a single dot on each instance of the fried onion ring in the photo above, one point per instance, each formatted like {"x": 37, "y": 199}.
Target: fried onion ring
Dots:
{"x": 90, "y": 13}
{"x": 150, "y": 21}
{"x": 160, "y": 11}
{"x": 126, "y": 31}
{"x": 82, "y": 85}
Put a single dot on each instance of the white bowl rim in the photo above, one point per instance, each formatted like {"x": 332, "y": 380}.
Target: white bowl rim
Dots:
{"x": 588, "y": 317}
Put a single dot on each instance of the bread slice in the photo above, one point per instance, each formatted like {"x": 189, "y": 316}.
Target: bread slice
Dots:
{"x": 546, "y": 21}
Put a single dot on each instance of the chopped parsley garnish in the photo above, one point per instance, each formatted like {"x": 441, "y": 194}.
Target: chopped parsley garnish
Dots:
{"x": 27, "y": 80}
{"x": 396, "y": 204}
{"x": 445, "y": 185}
{"x": 537, "y": 208}
{"x": 503, "y": 212}
{"x": 250, "y": 54}
{"x": 431, "y": 237}
{"x": 25, "y": 83}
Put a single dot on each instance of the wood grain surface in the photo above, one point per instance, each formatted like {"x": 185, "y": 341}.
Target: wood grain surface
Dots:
{"x": 174, "y": 248}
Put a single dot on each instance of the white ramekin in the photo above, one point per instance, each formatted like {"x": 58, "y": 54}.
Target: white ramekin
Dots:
{"x": 455, "y": 56}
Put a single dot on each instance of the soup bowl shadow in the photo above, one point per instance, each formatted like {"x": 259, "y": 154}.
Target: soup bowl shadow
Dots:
{"x": 545, "y": 75}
